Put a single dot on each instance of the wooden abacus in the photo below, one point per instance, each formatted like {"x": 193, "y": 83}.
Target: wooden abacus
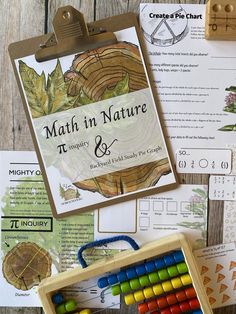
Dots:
{"x": 162, "y": 277}
{"x": 220, "y": 20}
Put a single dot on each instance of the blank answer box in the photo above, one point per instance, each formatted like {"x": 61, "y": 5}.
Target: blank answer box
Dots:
{"x": 144, "y": 222}
{"x": 118, "y": 219}
{"x": 144, "y": 205}
{"x": 171, "y": 206}
{"x": 158, "y": 206}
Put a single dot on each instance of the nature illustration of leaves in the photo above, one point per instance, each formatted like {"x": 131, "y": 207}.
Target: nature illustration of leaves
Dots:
{"x": 35, "y": 89}
{"x": 198, "y": 207}
{"x": 62, "y": 192}
{"x": 201, "y": 193}
{"x": 45, "y": 98}
{"x": 228, "y": 128}
{"x": 83, "y": 99}
{"x": 231, "y": 89}
{"x": 121, "y": 88}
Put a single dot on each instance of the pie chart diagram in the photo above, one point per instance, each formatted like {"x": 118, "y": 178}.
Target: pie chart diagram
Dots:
{"x": 164, "y": 32}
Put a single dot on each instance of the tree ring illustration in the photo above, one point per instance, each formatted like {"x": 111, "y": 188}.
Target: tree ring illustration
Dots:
{"x": 164, "y": 31}
{"x": 26, "y": 265}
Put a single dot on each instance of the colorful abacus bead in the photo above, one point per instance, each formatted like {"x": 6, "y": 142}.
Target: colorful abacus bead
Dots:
{"x": 68, "y": 306}
{"x": 154, "y": 277}
{"x": 58, "y": 298}
{"x": 146, "y": 268}
{"x": 85, "y": 311}
{"x": 187, "y": 302}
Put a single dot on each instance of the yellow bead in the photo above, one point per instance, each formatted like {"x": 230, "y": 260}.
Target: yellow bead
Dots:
{"x": 176, "y": 283}
{"x": 86, "y": 311}
{"x": 186, "y": 279}
{"x": 139, "y": 296}
{"x": 129, "y": 299}
{"x": 148, "y": 292}
{"x": 157, "y": 289}
{"x": 167, "y": 286}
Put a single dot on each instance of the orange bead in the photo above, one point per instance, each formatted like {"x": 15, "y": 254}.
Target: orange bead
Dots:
{"x": 190, "y": 292}
{"x": 162, "y": 302}
{"x": 171, "y": 299}
{"x": 152, "y": 305}
{"x": 143, "y": 308}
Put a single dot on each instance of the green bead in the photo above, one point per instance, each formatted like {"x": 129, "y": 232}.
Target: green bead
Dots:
{"x": 153, "y": 277}
{"x": 163, "y": 274}
{"x": 182, "y": 268}
{"x": 134, "y": 284}
{"x": 144, "y": 281}
{"x": 125, "y": 287}
{"x": 172, "y": 271}
{"x": 60, "y": 309}
{"x": 115, "y": 290}
{"x": 70, "y": 305}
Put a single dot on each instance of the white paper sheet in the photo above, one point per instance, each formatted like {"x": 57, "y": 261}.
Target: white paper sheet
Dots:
{"x": 217, "y": 265}
{"x": 26, "y": 217}
{"x": 181, "y": 210}
{"x": 191, "y": 75}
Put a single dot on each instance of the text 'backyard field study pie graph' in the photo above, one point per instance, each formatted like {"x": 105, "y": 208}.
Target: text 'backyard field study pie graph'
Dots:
{"x": 164, "y": 28}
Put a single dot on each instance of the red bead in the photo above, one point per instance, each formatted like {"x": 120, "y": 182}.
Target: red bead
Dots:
{"x": 165, "y": 311}
{"x": 162, "y": 302}
{"x": 184, "y": 306}
{"x": 152, "y": 305}
{"x": 194, "y": 304}
{"x": 143, "y": 308}
{"x": 190, "y": 293}
{"x": 171, "y": 299}
{"x": 155, "y": 312}
{"x": 180, "y": 295}
{"x": 175, "y": 309}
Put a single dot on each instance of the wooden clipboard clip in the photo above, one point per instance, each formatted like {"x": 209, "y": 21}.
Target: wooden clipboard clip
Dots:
{"x": 71, "y": 35}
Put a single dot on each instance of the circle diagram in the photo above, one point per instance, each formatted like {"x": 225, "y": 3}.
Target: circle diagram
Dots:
{"x": 203, "y": 163}
{"x": 164, "y": 31}
{"x": 25, "y": 265}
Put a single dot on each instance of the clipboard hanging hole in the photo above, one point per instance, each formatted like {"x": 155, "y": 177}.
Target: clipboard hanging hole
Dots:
{"x": 229, "y": 8}
{"x": 66, "y": 15}
{"x": 216, "y": 7}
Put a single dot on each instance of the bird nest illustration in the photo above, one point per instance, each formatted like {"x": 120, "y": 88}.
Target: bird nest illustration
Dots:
{"x": 26, "y": 265}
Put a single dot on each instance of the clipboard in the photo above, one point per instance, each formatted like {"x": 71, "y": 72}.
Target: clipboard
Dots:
{"x": 91, "y": 113}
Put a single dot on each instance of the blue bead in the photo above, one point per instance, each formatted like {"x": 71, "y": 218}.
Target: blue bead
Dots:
{"x": 197, "y": 312}
{"x": 131, "y": 273}
{"x": 57, "y": 298}
{"x": 140, "y": 270}
{"x": 159, "y": 263}
{"x": 103, "y": 282}
{"x": 122, "y": 276}
{"x": 178, "y": 256}
{"x": 112, "y": 279}
{"x": 150, "y": 267}
{"x": 169, "y": 260}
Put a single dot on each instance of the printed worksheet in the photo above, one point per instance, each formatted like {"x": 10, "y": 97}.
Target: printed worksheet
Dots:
{"x": 195, "y": 78}
{"x": 229, "y": 230}
{"x": 90, "y": 125}
{"x": 34, "y": 245}
{"x": 217, "y": 265}
{"x": 147, "y": 219}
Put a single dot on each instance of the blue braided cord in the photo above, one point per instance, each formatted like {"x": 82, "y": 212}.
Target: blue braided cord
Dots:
{"x": 82, "y": 261}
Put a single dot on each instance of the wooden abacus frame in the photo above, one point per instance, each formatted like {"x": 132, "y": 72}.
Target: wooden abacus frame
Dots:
{"x": 220, "y": 21}
{"x": 51, "y": 285}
